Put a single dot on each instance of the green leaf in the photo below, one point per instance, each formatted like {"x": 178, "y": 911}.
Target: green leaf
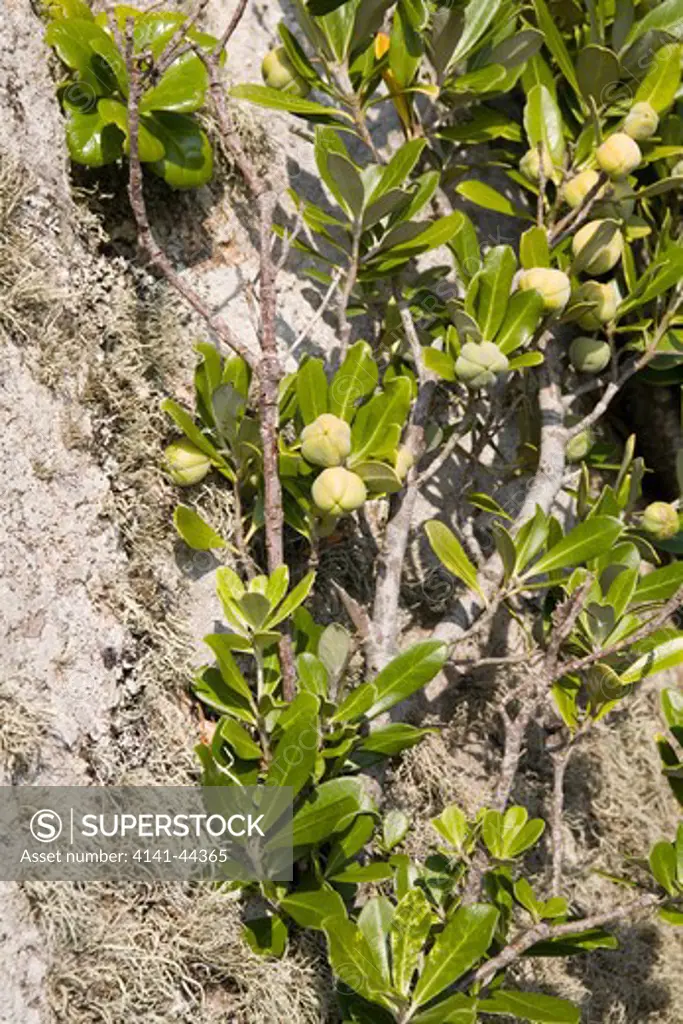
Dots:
{"x": 665, "y": 656}
{"x": 533, "y": 249}
{"x": 463, "y": 941}
{"x": 585, "y": 541}
{"x": 395, "y": 827}
{"x": 409, "y": 930}
{"x": 182, "y": 88}
{"x": 451, "y": 554}
{"x": 374, "y": 922}
{"x": 329, "y": 809}
{"x": 312, "y": 674}
{"x": 665, "y": 17}
{"x": 455, "y": 1009}
{"x": 263, "y": 96}
{"x": 485, "y": 125}
{"x": 379, "y": 423}
{"x": 523, "y": 316}
{"x": 295, "y": 755}
{"x": 396, "y": 172}
{"x": 266, "y": 936}
{"x": 188, "y": 160}
{"x": 484, "y": 195}
{"x": 495, "y": 281}
{"x": 295, "y": 597}
{"x": 337, "y": 27}
{"x": 406, "y": 673}
{"x": 439, "y": 232}
{"x": 478, "y": 16}
{"x": 598, "y": 71}
{"x": 356, "y": 704}
{"x": 79, "y": 43}
{"x": 556, "y": 44}
{"x": 91, "y": 140}
{"x": 543, "y": 122}
{"x": 334, "y": 649}
{"x": 452, "y": 825}
{"x": 310, "y": 904}
{"x": 405, "y": 49}
{"x": 311, "y": 390}
{"x": 439, "y": 362}
{"x": 240, "y": 740}
{"x": 660, "y": 85}
{"x": 392, "y": 739}
{"x": 531, "y": 1006}
{"x": 212, "y": 691}
{"x": 348, "y": 181}
{"x": 663, "y": 865}
{"x": 112, "y": 112}
{"x": 355, "y": 379}
{"x": 231, "y": 675}
{"x": 351, "y": 958}
{"x": 194, "y": 530}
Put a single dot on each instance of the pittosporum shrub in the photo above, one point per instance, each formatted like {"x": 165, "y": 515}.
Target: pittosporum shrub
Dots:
{"x": 499, "y": 361}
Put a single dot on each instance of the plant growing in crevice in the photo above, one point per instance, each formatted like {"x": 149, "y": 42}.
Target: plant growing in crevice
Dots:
{"x": 548, "y": 534}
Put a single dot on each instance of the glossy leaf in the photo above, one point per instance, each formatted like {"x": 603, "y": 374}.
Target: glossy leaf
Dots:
{"x": 585, "y": 541}
{"x": 188, "y": 160}
{"x": 311, "y": 390}
{"x": 495, "y": 281}
{"x": 523, "y": 316}
{"x": 478, "y": 16}
{"x": 277, "y": 100}
{"x": 194, "y": 530}
{"x": 406, "y": 673}
{"x": 310, "y": 904}
{"x": 543, "y": 122}
{"x": 481, "y": 194}
{"x": 451, "y": 554}
{"x": 462, "y": 943}
{"x": 409, "y": 930}
{"x": 531, "y": 1006}
{"x": 660, "y": 85}
{"x": 665, "y": 656}
{"x": 355, "y": 380}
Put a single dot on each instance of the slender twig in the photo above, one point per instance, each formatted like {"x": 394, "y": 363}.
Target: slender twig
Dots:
{"x": 560, "y": 760}
{"x": 344, "y": 325}
{"x": 577, "y": 216}
{"x": 385, "y": 620}
{"x": 320, "y": 311}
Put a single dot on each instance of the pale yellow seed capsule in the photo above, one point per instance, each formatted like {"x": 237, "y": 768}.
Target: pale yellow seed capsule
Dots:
{"x": 337, "y": 490}
{"x": 553, "y": 286}
{"x": 326, "y": 441}
{"x": 641, "y": 121}
{"x": 279, "y": 73}
{"x": 577, "y": 188}
{"x": 607, "y": 256}
{"x": 618, "y": 155}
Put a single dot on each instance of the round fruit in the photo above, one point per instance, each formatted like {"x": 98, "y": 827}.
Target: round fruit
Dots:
{"x": 604, "y": 301}
{"x": 660, "y": 520}
{"x": 479, "y": 363}
{"x": 326, "y": 441}
{"x": 530, "y": 165}
{"x": 185, "y": 463}
{"x": 579, "y": 446}
{"x": 577, "y": 188}
{"x": 589, "y": 355}
{"x": 279, "y": 73}
{"x": 641, "y": 121}
{"x": 553, "y": 286}
{"x": 604, "y": 258}
{"x": 618, "y": 155}
{"x": 337, "y": 490}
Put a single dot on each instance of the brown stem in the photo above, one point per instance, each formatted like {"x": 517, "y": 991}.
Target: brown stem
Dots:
{"x": 544, "y": 931}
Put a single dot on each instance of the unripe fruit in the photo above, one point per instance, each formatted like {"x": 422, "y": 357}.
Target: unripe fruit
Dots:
{"x": 279, "y": 73}
{"x": 577, "y": 188}
{"x": 604, "y": 300}
{"x": 618, "y": 155}
{"x": 589, "y": 355}
{"x": 641, "y": 121}
{"x": 660, "y": 520}
{"x": 530, "y": 165}
{"x": 185, "y": 463}
{"x": 326, "y": 441}
{"x": 553, "y": 286}
{"x": 479, "y": 363}
{"x": 338, "y": 490}
{"x": 677, "y": 171}
{"x": 404, "y": 462}
{"x": 607, "y": 256}
{"x": 579, "y": 446}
